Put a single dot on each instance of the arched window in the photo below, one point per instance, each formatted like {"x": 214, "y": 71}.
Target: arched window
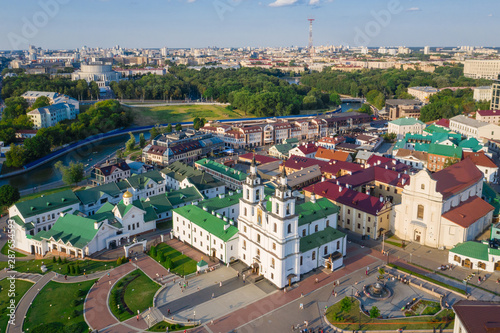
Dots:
{"x": 326, "y": 250}
{"x": 245, "y": 211}
{"x": 304, "y": 233}
{"x": 314, "y": 255}
{"x": 420, "y": 212}
{"x": 258, "y": 238}
{"x": 316, "y": 228}
{"x": 289, "y": 228}
{"x": 272, "y": 262}
{"x": 288, "y": 209}
{"x": 422, "y": 186}
{"x": 248, "y": 194}
{"x": 277, "y": 208}
{"x": 257, "y": 195}
{"x": 275, "y": 228}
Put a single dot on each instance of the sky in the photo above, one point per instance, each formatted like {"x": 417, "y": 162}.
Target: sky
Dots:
{"x": 70, "y": 24}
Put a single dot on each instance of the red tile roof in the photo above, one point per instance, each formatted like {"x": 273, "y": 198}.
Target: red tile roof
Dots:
{"x": 109, "y": 169}
{"x": 478, "y": 316}
{"x": 386, "y": 176}
{"x": 345, "y": 196}
{"x": 487, "y": 113}
{"x": 457, "y": 177}
{"x": 480, "y": 158}
{"x": 157, "y": 150}
{"x": 310, "y": 148}
{"x": 330, "y": 154}
{"x": 376, "y": 160}
{"x": 468, "y": 212}
{"x": 443, "y": 123}
{"x": 259, "y": 159}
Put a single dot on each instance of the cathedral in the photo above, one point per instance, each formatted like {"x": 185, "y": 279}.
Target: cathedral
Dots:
{"x": 282, "y": 240}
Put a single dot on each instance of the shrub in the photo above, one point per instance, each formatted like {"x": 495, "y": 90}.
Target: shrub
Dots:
{"x": 77, "y": 270}
{"x": 65, "y": 260}
{"x": 59, "y": 261}
{"x": 71, "y": 269}
{"x": 119, "y": 261}
{"x": 75, "y": 302}
{"x": 169, "y": 263}
{"x": 374, "y": 312}
{"x": 161, "y": 257}
{"x": 75, "y": 313}
{"x": 345, "y": 304}
{"x": 67, "y": 270}
{"x": 54, "y": 259}
{"x": 152, "y": 251}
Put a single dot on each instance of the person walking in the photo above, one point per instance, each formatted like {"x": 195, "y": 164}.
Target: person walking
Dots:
{"x": 220, "y": 284}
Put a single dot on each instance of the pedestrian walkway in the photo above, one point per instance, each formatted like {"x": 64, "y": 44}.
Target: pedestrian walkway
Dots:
{"x": 80, "y": 278}
{"x": 96, "y": 310}
{"x": 24, "y": 304}
{"x": 151, "y": 268}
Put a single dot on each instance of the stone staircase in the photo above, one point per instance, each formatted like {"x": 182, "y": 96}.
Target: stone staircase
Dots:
{"x": 152, "y": 317}
{"x": 28, "y": 276}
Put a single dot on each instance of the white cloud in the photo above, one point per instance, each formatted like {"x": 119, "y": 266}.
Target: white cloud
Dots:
{"x": 281, "y": 3}
{"x": 413, "y": 9}
{"x": 490, "y": 15}
{"x": 313, "y": 2}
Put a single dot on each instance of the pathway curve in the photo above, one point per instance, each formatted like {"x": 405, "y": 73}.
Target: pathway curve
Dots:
{"x": 96, "y": 311}
{"x": 24, "y": 304}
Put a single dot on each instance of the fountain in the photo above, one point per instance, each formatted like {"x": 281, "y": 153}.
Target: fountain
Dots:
{"x": 377, "y": 291}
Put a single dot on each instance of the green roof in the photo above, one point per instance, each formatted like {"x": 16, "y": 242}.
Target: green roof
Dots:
{"x": 77, "y": 230}
{"x": 180, "y": 171}
{"x": 218, "y": 203}
{"x": 291, "y": 141}
{"x": 47, "y": 203}
{"x": 406, "y": 122}
{"x": 472, "y": 144}
{"x": 491, "y": 197}
{"x": 205, "y": 181}
{"x": 93, "y": 194}
{"x": 222, "y": 169}
{"x": 283, "y": 149}
{"x": 436, "y": 129}
{"x": 443, "y": 150}
{"x": 165, "y": 202}
{"x": 400, "y": 144}
{"x": 107, "y": 207}
{"x": 309, "y": 212}
{"x": 207, "y": 221}
{"x": 139, "y": 181}
{"x": 472, "y": 250}
{"x": 421, "y": 147}
{"x": 201, "y": 263}
{"x": 319, "y": 238}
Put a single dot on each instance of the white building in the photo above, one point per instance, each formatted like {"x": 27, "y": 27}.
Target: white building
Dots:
{"x": 488, "y": 116}
{"x": 209, "y": 232}
{"x": 482, "y": 93}
{"x": 49, "y": 116}
{"x": 422, "y": 93}
{"x": 99, "y": 72}
{"x": 402, "y": 126}
{"x": 443, "y": 209}
{"x": 473, "y": 128}
{"x": 282, "y": 241}
{"x": 482, "y": 69}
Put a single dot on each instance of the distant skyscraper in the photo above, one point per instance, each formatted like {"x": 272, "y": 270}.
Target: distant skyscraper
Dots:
{"x": 164, "y": 51}
{"x": 310, "y": 45}
{"x": 427, "y": 50}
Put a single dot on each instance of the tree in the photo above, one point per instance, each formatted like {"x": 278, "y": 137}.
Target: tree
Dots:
{"x": 119, "y": 261}
{"x": 40, "y": 102}
{"x": 449, "y": 162}
{"x": 14, "y": 107}
{"x": 8, "y": 195}
{"x": 161, "y": 257}
{"x": 169, "y": 263}
{"x": 169, "y": 128}
{"x": 154, "y": 132}
{"x": 178, "y": 127}
{"x": 130, "y": 145}
{"x": 345, "y": 304}
{"x": 15, "y": 157}
{"x": 72, "y": 174}
{"x": 374, "y": 312}
{"x": 142, "y": 140}
{"x": 36, "y": 147}
{"x": 335, "y": 99}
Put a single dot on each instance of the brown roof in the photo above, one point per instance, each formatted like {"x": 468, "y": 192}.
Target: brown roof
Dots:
{"x": 468, "y": 212}
{"x": 329, "y": 154}
{"x": 420, "y": 155}
{"x": 480, "y": 158}
{"x": 477, "y": 316}
{"x": 457, "y": 177}
{"x": 157, "y": 150}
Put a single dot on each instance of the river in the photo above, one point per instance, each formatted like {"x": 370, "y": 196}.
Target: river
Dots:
{"x": 88, "y": 155}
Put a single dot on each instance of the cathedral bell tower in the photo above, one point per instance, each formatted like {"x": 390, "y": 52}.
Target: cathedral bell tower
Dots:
{"x": 283, "y": 201}
{"x": 253, "y": 189}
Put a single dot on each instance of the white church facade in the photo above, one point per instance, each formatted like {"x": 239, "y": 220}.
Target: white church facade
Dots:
{"x": 281, "y": 240}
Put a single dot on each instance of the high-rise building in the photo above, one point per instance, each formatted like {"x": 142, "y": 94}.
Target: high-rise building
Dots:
{"x": 495, "y": 96}
{"x": 427, "y": 50}
{"x": 482, "y": 69}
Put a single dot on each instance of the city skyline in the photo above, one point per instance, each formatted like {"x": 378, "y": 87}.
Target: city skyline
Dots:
{"x": 52, "y": 24}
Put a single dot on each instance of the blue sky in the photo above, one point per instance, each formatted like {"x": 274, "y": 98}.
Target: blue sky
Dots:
{"x": 232, "y": 23}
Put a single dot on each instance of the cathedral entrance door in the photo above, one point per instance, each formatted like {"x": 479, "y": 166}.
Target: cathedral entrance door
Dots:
{"x": 417, "y": 236}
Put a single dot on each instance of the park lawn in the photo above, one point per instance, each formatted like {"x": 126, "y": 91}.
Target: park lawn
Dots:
{"x": 21, "y": 288}
{"x": 46, "y": 192}
{"x": 57, "y": 302}
{"x": 162, "y": 327}
{"x": 172, "y": 114}
{"x": 5, "y": 251}
{"x": 352, "y": 318}
{"x": 183, "y": 265}
{"x": 33, "y": 266}
{"x": 140, "y": 292}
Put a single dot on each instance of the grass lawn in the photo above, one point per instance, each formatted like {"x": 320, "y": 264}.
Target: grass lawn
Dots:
{"x": 162, "y": 327}
{"x": 20, "y": 289}
{"x": 166, "y": 114}
{"x": 46, "y": 192}
{"x": 183, "y": 265}
{"x": 33, "y": 266}
{"x": 133, "y": 292}
{"x": 350, "y": 320}
{"x": 5, "y": 251}
{"x": 55, "y": 303}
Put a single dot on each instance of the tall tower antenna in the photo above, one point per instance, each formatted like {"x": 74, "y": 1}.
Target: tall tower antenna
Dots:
{"x": 310, "y": 45}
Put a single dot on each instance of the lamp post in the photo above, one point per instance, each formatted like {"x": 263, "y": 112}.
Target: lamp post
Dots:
{"x": 194, "y": 316}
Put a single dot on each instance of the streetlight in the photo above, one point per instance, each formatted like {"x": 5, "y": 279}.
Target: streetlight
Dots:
{"x": 194, "y": 316}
